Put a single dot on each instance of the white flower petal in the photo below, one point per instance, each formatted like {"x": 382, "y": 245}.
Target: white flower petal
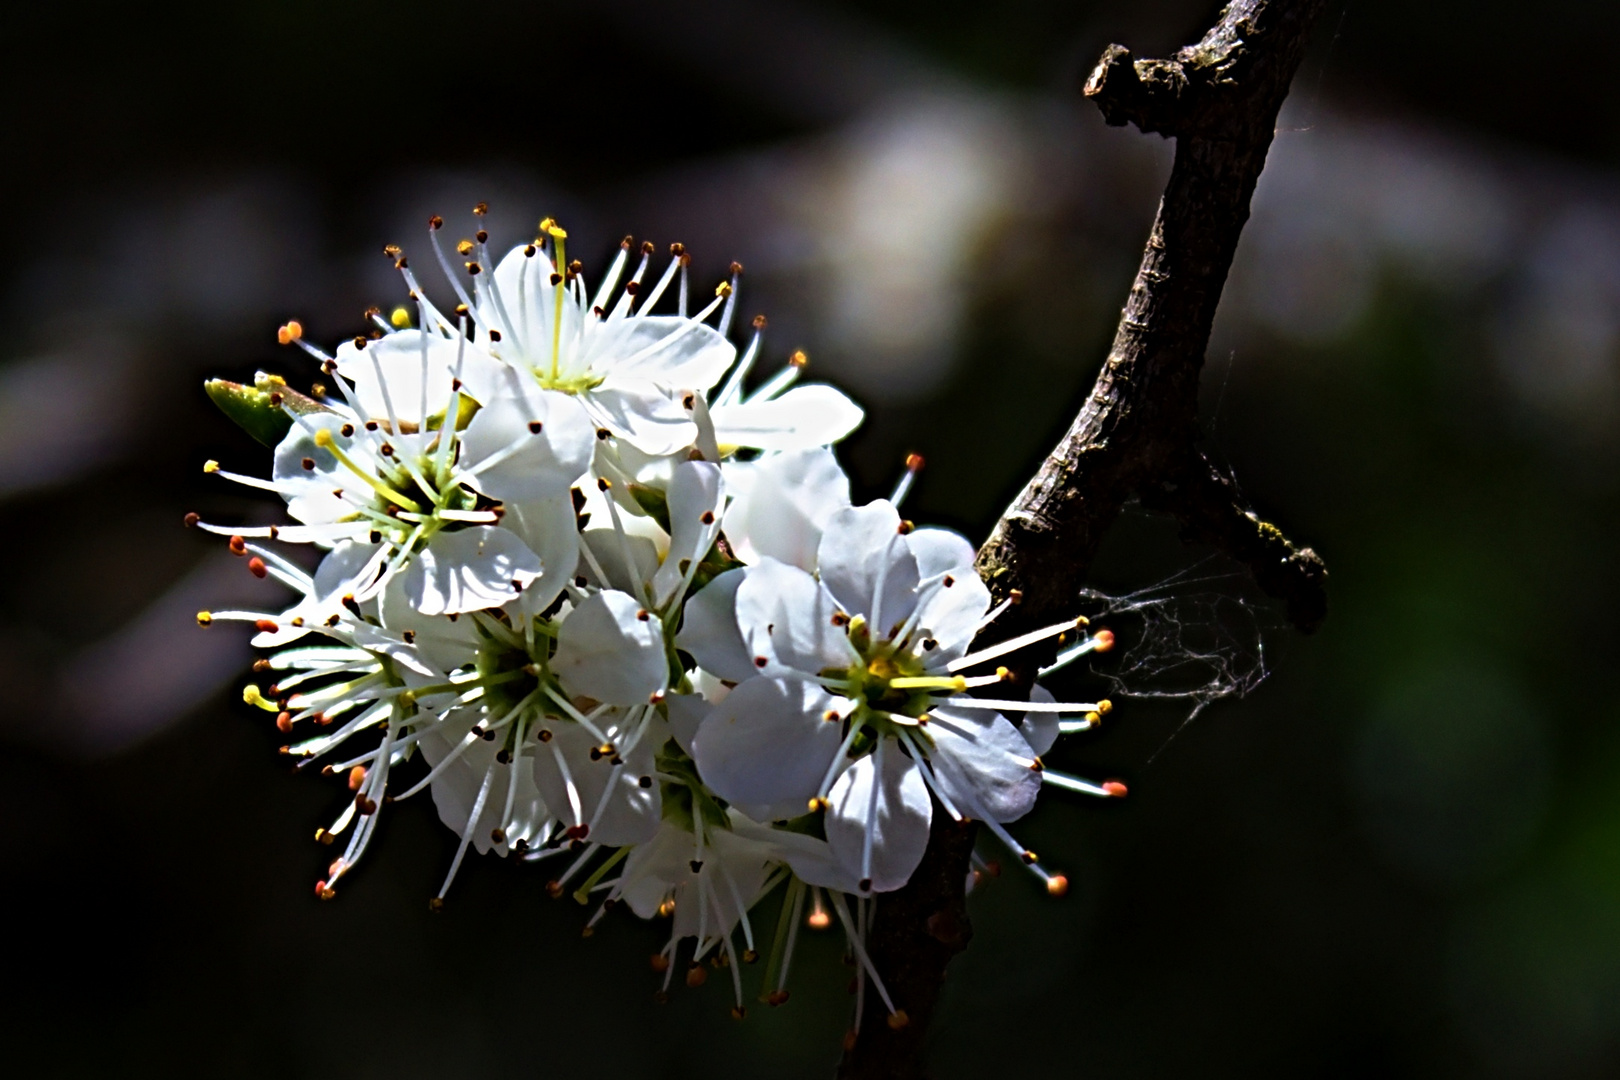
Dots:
{"x": 440, "y": 642}
{"x": 802, "y": 418}
{"x": 399, "y": 356}
{"x": 898, "y": 817}
{"x": 534, "y": 464}
{"x": 696, "y": 491}
{"x": 782, "y": 503}
{"x": 766, "y": 747}
{"x": 950, "y": 613}
{"x": 468, "y": 569}
{"x": 455, "y": 790}
{"x": 547, "y": 527}
{"x": 812, "y": 861}
{"x": 710, "y": 632}
{"x": 675, "y": 352}
{"x": 645, "y": 414}
{"x": 862, "y": 552}
{"x": 1040, "y": 729}
{"x": 686, "y": 714}
{"x": 982, "y": 763}
{"x": 609, "y": 648}
{"x": 786, "y": 619}
{"x": 631, "y": 813}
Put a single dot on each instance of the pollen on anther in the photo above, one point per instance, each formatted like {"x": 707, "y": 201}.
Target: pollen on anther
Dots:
{"x": 257, "y": 568}
{"x": 205, "y": 618}
{"x": 1057, "y": 885}
{"x": 210, "y": 466}
{"x": 799, "y": 358}
{"x": 289, "y": 332}
{"x": 284, "y": 722}
{"x": 266, "y": 626}
{"x": 1116, "y": 788}
{"x": 1104, "y": 640}
{"x": 357, "y": 776}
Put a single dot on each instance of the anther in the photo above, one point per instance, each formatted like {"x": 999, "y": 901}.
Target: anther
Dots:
{"x": 308, "y": 464}
{"x": 435, "y": 222}
{"x": 645, "y": 782}
{"x": 324, "y": 837}
{"x": 436, "y": 904}
{"x": 371, "y": 425}
{"x": 906, "y": 527}
{"x": 707, "y": 517}
{"x": 322, "y": 892}
{"x": 647, "y": 247}
{"x": 497, "y": 836}
{"x": 865, "y": 884}
{"x": 266, "y": 626}
{"x": 481, "y": 236}
{"x": 799, "y": 358}
{"x": 359, "y": 343}
{"x": 696, "y": 976}
{"x": 738, "y": 1012}
{"x": 898, "y": 1020}
{"x": 556, "y": 279}
{"x": 1116, "y": 788}
{"x": 210, "y": 466}
{"x": 1057, "y": 885}
{"x": 948, "y": 581}
{"x": 409, "y": 636}
{"x": 357, "y": 776}
{"x": 776, "y": 997}
{"x": 603, "y": 483}
{"x": 759, "y": 322}
{"x": 481, "y": 209}
{"x": 191, "y": 519}
{"x": 723, "y": 289}
{"x": 284, "y": 722}
{"x": 1104, "y": 640}
{"x": 289, "y": 332}
{"x": 494, "y": 338}
{"x": 237, "y": 544}
{"x": 257, "y": 568}
{"x": 696, "y": 865}
{"x": 1029, "y": 858}
{"x": 659, "y": 962}
{"x": 553, "y": 889}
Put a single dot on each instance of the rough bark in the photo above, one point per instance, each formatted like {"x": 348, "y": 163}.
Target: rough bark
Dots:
{"x": 1135, "y": 436}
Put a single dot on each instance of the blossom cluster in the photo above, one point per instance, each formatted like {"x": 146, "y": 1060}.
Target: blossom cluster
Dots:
{"x": 622, "y": 609}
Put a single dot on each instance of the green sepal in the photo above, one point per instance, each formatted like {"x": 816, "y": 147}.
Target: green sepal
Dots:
{"x": 252, "y": 410}
{"x": 653, "y": 501}
{"x": 716, "y": 562}
{"x": 466, "y": 409}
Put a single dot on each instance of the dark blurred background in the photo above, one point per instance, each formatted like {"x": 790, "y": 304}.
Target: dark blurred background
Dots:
{"x": 1398, "y": 856}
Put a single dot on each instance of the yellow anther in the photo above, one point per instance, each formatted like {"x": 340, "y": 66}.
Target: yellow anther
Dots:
{"x": 799, "y": 358}
{"x": 290, "y": 332}
{"x": 1105, "y": 706}
{"x": 400, "y": 318}
{"x": 464, "y": 248}
{"x": 1093, "y": 718}
{"x": 205, "y": 618}
{"x": 723, "y": 289}
{"x": 210, "y": 466}
{"x": 407, "y": 699}
{"x": 1003, "y": 674}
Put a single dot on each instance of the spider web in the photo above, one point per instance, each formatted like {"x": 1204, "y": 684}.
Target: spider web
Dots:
{"x": 1192, "y": 638}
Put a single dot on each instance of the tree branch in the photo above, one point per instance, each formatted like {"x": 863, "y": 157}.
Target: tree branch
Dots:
{"x": 1135, "y": 436}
